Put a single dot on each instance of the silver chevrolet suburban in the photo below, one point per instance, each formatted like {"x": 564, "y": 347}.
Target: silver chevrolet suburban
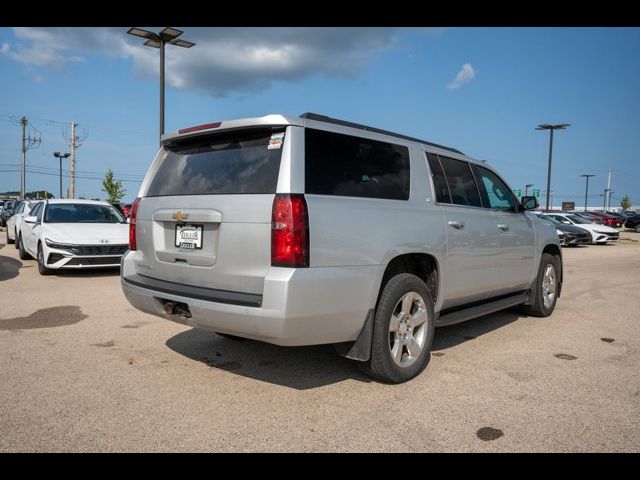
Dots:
{"x": 312, "y": 230}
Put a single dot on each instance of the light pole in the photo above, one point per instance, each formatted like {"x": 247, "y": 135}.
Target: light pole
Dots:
{"x": 158, "y": 40}
{"x": 60, "y": 156}
{"x": 586, "y": 192}
{"x": 551, "y": 128}
{"x": 607, "y": 197}
{"x": 526, "y": 188}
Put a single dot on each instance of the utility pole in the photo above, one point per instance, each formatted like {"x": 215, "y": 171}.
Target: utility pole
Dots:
{"x": 608, "y": 203}
{"x": 75, "y": 141}
{"x": 27, "y": 143}
{"x": 23, "y": 161}
{"x": 72, "y": 169}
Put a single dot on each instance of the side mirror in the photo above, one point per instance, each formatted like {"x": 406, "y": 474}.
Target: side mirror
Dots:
{"x": 30, "y": 219}
{"x": 529, "y": 203}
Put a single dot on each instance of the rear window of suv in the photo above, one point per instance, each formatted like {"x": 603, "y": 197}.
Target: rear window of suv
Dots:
{"x": 242, "y": 161}
{"x": 337, "y": 164}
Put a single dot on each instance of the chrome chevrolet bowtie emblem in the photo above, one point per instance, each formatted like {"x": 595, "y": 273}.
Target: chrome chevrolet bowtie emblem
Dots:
{"x": 180, "y": 216}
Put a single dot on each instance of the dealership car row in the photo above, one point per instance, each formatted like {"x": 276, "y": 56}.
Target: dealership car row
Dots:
{"x": 69, "y": 234}
{"x": 76, "y": 234}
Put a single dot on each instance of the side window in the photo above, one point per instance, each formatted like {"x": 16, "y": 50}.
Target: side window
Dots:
{"x": 496, "y": 193}
{"x": 439, "y": 180}
{"x": 37, "y": 212}
{"x": 34, "y": 210}
{"x": 462, "y": 185}
{"x": 349, "y": 166}
{"x": 21, "y": 208}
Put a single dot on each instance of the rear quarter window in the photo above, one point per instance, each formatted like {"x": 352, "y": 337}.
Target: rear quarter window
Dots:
{"x": 344, "y": 165}
{"x": 237, "y": 162}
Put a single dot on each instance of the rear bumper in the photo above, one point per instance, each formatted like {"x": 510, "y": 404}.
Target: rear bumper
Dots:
{"x": 304, "y": 306}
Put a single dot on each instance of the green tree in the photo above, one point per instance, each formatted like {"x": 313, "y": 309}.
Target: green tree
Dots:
{"x": 625, "y": 203}
{"x": 113, "y": 188}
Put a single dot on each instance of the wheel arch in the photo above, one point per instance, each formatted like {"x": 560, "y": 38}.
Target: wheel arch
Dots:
{"x": 553, "y": 249}
{"x": 421, "y": 264}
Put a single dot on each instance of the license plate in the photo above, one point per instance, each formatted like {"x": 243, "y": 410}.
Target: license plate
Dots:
{"x": 189, "y": 236}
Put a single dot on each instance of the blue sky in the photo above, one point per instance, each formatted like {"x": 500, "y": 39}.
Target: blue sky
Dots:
{"x": 508, "y": 81}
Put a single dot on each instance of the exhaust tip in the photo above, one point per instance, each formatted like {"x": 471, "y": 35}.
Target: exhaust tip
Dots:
{"x": 169, "y": 308}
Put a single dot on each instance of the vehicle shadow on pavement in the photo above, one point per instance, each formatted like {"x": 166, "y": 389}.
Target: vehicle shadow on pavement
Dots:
{"x": 453, "y": 335}
{"x": 9, "y": 268}
{"x": 301, "y": 368}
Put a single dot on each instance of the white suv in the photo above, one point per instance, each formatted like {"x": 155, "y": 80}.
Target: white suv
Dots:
{"x": 311, "y": 230}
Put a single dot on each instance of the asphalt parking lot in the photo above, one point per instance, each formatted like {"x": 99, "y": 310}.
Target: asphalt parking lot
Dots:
{"x": 81, "y": 370}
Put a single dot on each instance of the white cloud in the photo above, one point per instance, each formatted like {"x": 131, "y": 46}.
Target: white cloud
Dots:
{"x": 464, "y": 76}
{"x": 40, "y": 53}
{"x": 224, "y": 60}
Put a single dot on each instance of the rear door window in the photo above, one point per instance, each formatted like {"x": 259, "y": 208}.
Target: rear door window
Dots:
{"x": 235, "y": 162}
{"x": 439, "y": 180}
{"x": 349, "y": 166}
{"x": 462, "y": 185}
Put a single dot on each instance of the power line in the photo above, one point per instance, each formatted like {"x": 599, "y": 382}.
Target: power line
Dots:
{"x": 79, "y": 171}
{"x": 66, "y": 175}
{"x": 49, "y": 123}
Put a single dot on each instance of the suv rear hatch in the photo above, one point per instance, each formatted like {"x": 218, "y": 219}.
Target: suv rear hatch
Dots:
{"x": 204, "y": 218}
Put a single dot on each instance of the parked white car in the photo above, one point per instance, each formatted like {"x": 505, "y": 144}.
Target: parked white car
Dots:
{"x": 73, "y": 234}
{"x": 13, "y": 223}
{"x": 600, "y": 234}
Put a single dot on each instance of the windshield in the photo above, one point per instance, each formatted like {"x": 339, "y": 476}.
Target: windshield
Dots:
{"x": 577, "y": 219}
{"x": 550, "y": 219}
{"x": 82, "y": 213}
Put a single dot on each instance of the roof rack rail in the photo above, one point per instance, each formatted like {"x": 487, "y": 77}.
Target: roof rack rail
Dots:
{"x": 324, "y": 118}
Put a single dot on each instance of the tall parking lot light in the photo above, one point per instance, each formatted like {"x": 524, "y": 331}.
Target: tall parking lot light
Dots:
{"x": 158, "y": 40}
{"x": 60, "y": 156}
{"x": 586, "y": 192}
{"x": 526, "y": 188}
{"x": 551, "y": 128}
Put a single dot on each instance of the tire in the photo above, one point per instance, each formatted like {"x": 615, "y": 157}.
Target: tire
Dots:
{"x": 42, "y": 269}
{"x": 22, "y": 253}
{"x": 9, "y": 241}
{"x": 401, "y": 347}
{"x": 637, "y": 229}
{"x": 545, "y": 288}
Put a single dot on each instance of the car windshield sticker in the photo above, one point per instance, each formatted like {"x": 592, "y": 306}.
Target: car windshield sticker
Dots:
{"x": 276, "y": 141}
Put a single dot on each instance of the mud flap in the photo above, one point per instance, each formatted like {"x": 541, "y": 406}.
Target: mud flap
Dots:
{"x": 360, "y": 349}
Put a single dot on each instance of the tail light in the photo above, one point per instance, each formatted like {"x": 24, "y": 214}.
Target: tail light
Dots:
{"x": 289, "y": 231}
{"x": 132, "y": 224}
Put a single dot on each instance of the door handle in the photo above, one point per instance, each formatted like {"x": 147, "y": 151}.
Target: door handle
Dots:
{"x": 503, "y": 226}
{"x": 456, "y": 224}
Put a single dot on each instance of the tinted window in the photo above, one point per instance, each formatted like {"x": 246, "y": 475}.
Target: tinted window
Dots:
{"x": 439, "y": 180}
{"x": 578, "y": 220}
{"x": 495, "y": 192}
{"x": 350, "y": 166}
{"x": 37, "y": 211}
{"x": 246, "y": 161}
{"x": 82, "y": 213}
{"x": 462, "y": 185}
{"x": 21, "y": 208}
